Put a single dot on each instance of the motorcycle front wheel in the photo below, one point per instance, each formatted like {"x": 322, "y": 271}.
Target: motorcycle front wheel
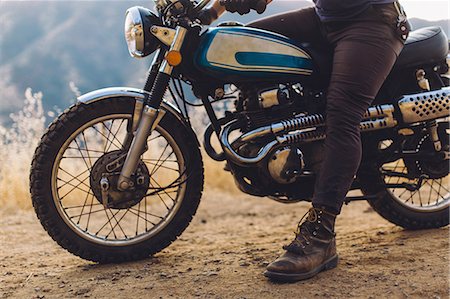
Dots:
{"x": 72, "y": 157}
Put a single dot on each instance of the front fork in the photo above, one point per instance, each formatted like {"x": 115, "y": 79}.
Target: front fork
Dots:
{"x": 145, "y": 122}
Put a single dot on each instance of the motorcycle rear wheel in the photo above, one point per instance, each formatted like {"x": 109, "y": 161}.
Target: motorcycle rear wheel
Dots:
{"x": 427, "y": 207}
{"x": 73, "y": 215}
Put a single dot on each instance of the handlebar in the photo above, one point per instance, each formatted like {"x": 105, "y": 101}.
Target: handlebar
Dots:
{"x": 201, "y": 5}
{"x": 258, "y": 5}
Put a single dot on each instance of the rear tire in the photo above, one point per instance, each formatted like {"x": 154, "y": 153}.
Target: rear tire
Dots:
{"x": 391, "y": 210}
{"x": 83, "y": 245}
{"x": 425, "y": 208}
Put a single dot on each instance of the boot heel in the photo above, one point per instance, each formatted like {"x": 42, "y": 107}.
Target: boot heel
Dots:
{"x": 332, "y": 263}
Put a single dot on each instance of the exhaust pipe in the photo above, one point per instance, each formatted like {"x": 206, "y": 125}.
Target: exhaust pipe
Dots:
{"x": 425, "y": 106}
{"x": 414, "y": 108}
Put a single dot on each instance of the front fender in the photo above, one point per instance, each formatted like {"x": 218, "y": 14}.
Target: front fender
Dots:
{"x": 138, "y": 94}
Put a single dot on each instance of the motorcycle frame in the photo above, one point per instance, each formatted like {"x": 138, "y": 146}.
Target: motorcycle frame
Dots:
{"x": 151, "y": 100}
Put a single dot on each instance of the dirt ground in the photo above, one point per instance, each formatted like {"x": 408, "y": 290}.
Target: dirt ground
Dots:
{"x": 223, "y": 254}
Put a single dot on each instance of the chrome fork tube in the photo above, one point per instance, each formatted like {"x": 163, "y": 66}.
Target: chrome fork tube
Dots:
{"x": 137, "y": 147}
{"x": 151, "y": 115}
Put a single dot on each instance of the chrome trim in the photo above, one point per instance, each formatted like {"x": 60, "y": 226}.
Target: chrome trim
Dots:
{"x": 178, "y": 39}
{"x": 308, "y": 135}
{"x": 425, "y": 106}
{"x": 137, "y": 148}
{"x": 377, "y": 124}
{"x": 432, "y": 128}
{"x": 112, "y": 92}
{"x": 128, "y": 92}
{"x": 166, "y": 68}
{"x": 160, "y": 116}
{"x": 164, "y": 34}
{"x": 138, "y": 107}
{"x": 302, "y": 122}
{"x": 380, "y": 110}
{"x": 422, "y": 81}
{"x": 134, "y": 32}
{"x": 235, "y": 157}
{"x": 301, "y": 129}
{"x": 268, "y": 98}
{"x": 448, "y": 64}
{"x": 201, "y": 5}
{"x": 310, "y": 128}
{"x": 175, "y": 46}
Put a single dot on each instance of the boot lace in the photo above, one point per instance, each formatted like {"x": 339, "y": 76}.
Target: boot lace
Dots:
{"x": 304, "y": 232}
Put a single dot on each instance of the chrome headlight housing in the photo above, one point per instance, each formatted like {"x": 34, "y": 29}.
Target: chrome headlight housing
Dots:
{"x": 140, "y": 41}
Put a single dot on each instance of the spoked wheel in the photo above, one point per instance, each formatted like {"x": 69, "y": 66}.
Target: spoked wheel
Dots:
{"x": 425, "y": 202}
{"x": 433, "y": 194}
{"x": 86, "y": 145}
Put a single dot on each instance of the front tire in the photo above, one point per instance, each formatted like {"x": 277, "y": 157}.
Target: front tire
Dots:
{"x": 83, "y": 133}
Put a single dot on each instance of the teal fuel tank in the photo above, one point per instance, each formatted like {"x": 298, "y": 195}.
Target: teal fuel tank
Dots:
{"x": 237, "y": 54}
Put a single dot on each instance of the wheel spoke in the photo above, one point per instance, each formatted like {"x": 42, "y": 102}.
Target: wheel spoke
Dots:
{"x": 163, "y": 189}
{"x": 159, "y": 159}
{"x": 106, "y": 223}
{"x": 132, "y": 211}
{"x": 161, "y": 166}
{"x": 87, "y": 150}
{"x": 84, "y": 205}
{"x": 75, "y": 177}
{"x": 107, "y": 138}
{"x": 76, "y": 187}
{"x": 117, "y": 223}
{"x": 86, "y": 213}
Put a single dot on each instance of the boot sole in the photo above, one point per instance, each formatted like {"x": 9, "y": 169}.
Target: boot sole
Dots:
{"x": 291, "y": 277}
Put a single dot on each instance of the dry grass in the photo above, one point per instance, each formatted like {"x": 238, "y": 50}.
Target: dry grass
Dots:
{"x": 217, "y": 178}
{"x": 17, "y": 145}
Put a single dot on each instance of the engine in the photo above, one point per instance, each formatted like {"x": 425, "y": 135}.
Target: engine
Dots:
{"x": 258, "y": 106}
{"x": 284, "y": 165}
{"x": 281, "y": 130}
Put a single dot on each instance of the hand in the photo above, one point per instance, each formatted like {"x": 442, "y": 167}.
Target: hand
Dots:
{"x": 243, "y": 6}
{"x": 207, "y": 16}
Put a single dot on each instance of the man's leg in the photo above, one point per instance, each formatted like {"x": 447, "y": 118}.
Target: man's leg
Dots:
{"x": 301, "y": 25}
{"x": 364, "y": 54}
{"x": 363, "y": 57}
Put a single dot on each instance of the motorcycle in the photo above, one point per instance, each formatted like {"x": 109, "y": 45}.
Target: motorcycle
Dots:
{"x": 118, "y": 176}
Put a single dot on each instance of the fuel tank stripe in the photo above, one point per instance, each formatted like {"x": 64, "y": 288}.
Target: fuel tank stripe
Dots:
{"x": 262, "y": 69}
{"x": 269, "y": 59}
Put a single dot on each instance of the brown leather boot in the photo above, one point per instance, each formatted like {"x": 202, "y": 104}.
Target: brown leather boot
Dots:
{"x": 313, "y": 249}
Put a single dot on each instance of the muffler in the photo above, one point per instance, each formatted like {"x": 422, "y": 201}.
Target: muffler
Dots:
{"x": 425, "y": 106}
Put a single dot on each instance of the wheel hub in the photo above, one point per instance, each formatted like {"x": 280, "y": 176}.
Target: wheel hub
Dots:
{"x": 435, "y": 166}
{"x": 104, "y": 179}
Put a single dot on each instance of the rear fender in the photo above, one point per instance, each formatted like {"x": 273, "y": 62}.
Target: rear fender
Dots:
{"x": 105, "y": 94}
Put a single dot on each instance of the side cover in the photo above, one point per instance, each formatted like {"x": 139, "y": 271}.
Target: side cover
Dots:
{"x": 243, "y": 54}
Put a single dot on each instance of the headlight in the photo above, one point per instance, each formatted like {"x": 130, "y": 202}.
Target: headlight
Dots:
{"x": 138, "y": 21}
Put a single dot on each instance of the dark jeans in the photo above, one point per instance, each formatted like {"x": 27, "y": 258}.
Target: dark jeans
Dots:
{"x": 365, "y": 49}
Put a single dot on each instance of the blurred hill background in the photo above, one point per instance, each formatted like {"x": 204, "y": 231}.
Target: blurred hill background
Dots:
{"x": 51, "y": 45}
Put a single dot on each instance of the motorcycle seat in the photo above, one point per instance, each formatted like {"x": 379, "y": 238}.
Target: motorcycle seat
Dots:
{"x": 424, "y": 46}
